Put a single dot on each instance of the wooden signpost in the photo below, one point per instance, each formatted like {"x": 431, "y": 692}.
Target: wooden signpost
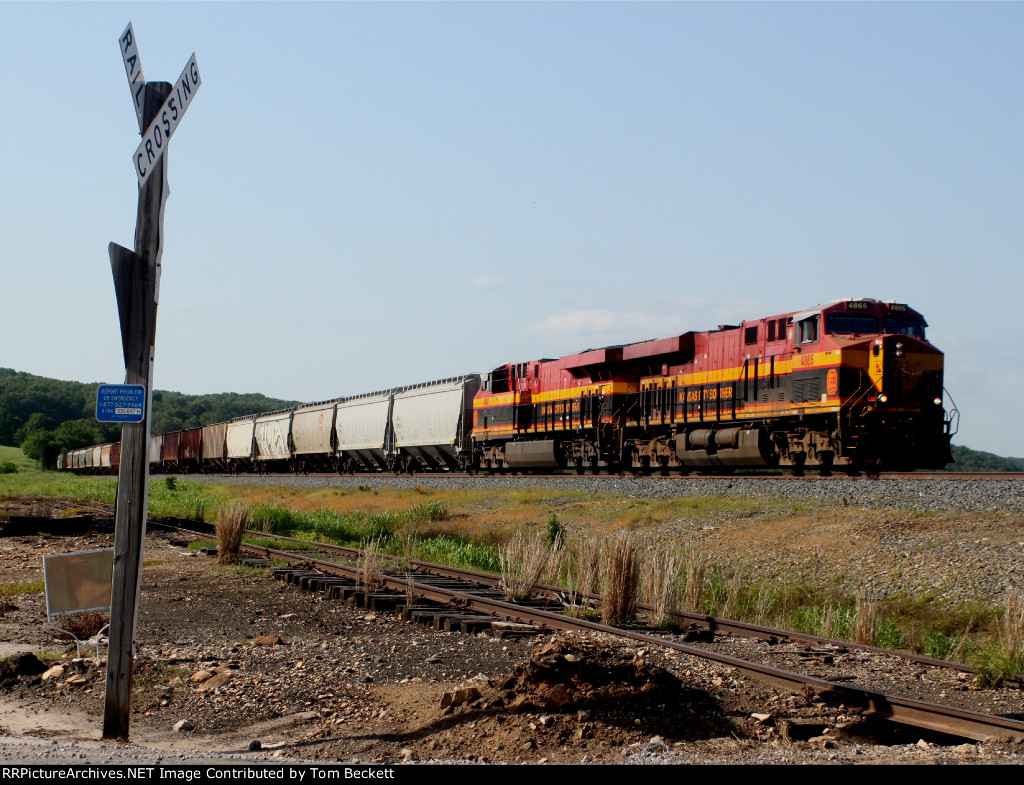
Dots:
{"x": 159, "y": 107}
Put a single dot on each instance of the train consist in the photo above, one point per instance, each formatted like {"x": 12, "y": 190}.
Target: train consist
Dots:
{"x": 850, "y": 385}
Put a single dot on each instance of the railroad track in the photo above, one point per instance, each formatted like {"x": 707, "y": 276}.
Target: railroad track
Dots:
{"x": 468, "y": 600}
{"x": 458, "y": 599}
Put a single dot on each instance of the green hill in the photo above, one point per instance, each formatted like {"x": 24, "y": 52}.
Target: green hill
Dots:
{"x": 967, "y": 460}
{"x": 47, "y": 416}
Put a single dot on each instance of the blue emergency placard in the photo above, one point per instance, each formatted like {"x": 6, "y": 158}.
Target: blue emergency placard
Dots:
{"x": 120, "y": 402}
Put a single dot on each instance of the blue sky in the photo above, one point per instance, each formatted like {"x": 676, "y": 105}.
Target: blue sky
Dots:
{"x": 372, "y": 194}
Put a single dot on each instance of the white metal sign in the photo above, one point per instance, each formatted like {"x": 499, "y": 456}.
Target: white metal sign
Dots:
{"x": 78, "y": 581}
{"x": 133, "y": 69}
{"x": 155, "y": 140}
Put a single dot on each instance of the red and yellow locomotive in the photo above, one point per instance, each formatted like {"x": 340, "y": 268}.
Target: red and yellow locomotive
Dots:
{"x": 853, "y": 384}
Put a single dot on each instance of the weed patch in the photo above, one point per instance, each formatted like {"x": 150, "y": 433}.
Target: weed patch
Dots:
{"x": 28, "y": 587}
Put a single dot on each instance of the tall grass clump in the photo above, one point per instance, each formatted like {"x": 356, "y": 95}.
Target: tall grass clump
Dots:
{"x": 232, "y": 520}
{"x": 582, "y": 569}
{"x": 584, "y": 564}
{"x": 430, "y": 511}
{"x": 621, "y": 579}
{"x": 371, "y": 562}
{"x": 762, "y": 603}
{"x": 523, "y": 560}
{"x": 1011, "y": 632}
{"x": 695, "y": 580}
{"x": 1004, "y": 657}
{"x": 193, "y": 507}
{"x": 722, "y": 591}
{"x": 661, "y": 572}
{"x": 865, "y": 626}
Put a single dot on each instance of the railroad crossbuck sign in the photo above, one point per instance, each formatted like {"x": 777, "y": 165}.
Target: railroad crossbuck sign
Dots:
{"x": 155, "y": 139}
{"x": 133, "y": 69}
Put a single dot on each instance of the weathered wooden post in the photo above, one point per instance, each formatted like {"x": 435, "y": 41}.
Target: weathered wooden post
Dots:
{"x": 159, "y": 108}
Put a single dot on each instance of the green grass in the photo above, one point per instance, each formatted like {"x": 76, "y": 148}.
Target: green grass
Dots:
{"x": 355, "y": 527}
{"x": 15, "y": 457}
{"x": 267, "y": 542}
{"x": 458, "y": 552}
{"x": 342, "y": 528}
{"x": 39, "y": 483}
{"x": 28, "y": 587}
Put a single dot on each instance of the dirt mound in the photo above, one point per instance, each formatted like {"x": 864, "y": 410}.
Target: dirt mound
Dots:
{"x": 602, "y": 684}
{"x": 581, "y": 672}
{"x": 20, "y": 665}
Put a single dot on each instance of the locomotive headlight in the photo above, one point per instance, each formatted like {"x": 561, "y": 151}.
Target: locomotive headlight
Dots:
{"x": 937, "y": 402}
{"x": 899, "y": 350}
{"x": 882, "y": 397}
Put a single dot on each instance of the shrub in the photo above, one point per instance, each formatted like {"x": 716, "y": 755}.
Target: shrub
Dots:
{"x": 556, "y": 532}
{"x": 81, "y": 625}
{"x": 6, "y": 467}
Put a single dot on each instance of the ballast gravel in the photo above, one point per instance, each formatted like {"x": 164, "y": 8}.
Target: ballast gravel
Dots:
{"x": 970, "y": 495}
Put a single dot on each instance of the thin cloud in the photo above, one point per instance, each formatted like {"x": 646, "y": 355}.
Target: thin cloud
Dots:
{"x": 657, "y": 321}
{"x": 487, "y": 281}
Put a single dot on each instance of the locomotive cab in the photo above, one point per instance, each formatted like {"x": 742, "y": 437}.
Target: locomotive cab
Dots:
{"x": 889, "y": 383}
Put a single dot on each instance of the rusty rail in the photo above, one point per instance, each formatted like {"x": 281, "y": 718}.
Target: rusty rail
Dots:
{"x": 908, "y": 711}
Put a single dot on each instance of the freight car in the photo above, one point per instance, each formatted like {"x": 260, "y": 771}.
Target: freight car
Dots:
{"x": 852, "y": 384}
{"x": 423, "y": 426}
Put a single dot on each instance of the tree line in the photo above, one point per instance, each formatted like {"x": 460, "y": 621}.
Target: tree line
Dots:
{"x": 967, "y": 460}
{"x": 46, "y": 417}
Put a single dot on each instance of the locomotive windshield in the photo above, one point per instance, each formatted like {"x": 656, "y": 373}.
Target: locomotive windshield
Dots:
{"x": 842, "y": 324}
{"x": 912, "y": 327}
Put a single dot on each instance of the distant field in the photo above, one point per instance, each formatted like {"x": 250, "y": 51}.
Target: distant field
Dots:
{"x": 17, "y": 457}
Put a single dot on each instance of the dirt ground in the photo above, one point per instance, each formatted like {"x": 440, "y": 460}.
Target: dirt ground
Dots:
{"x": 248, "y": 662}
